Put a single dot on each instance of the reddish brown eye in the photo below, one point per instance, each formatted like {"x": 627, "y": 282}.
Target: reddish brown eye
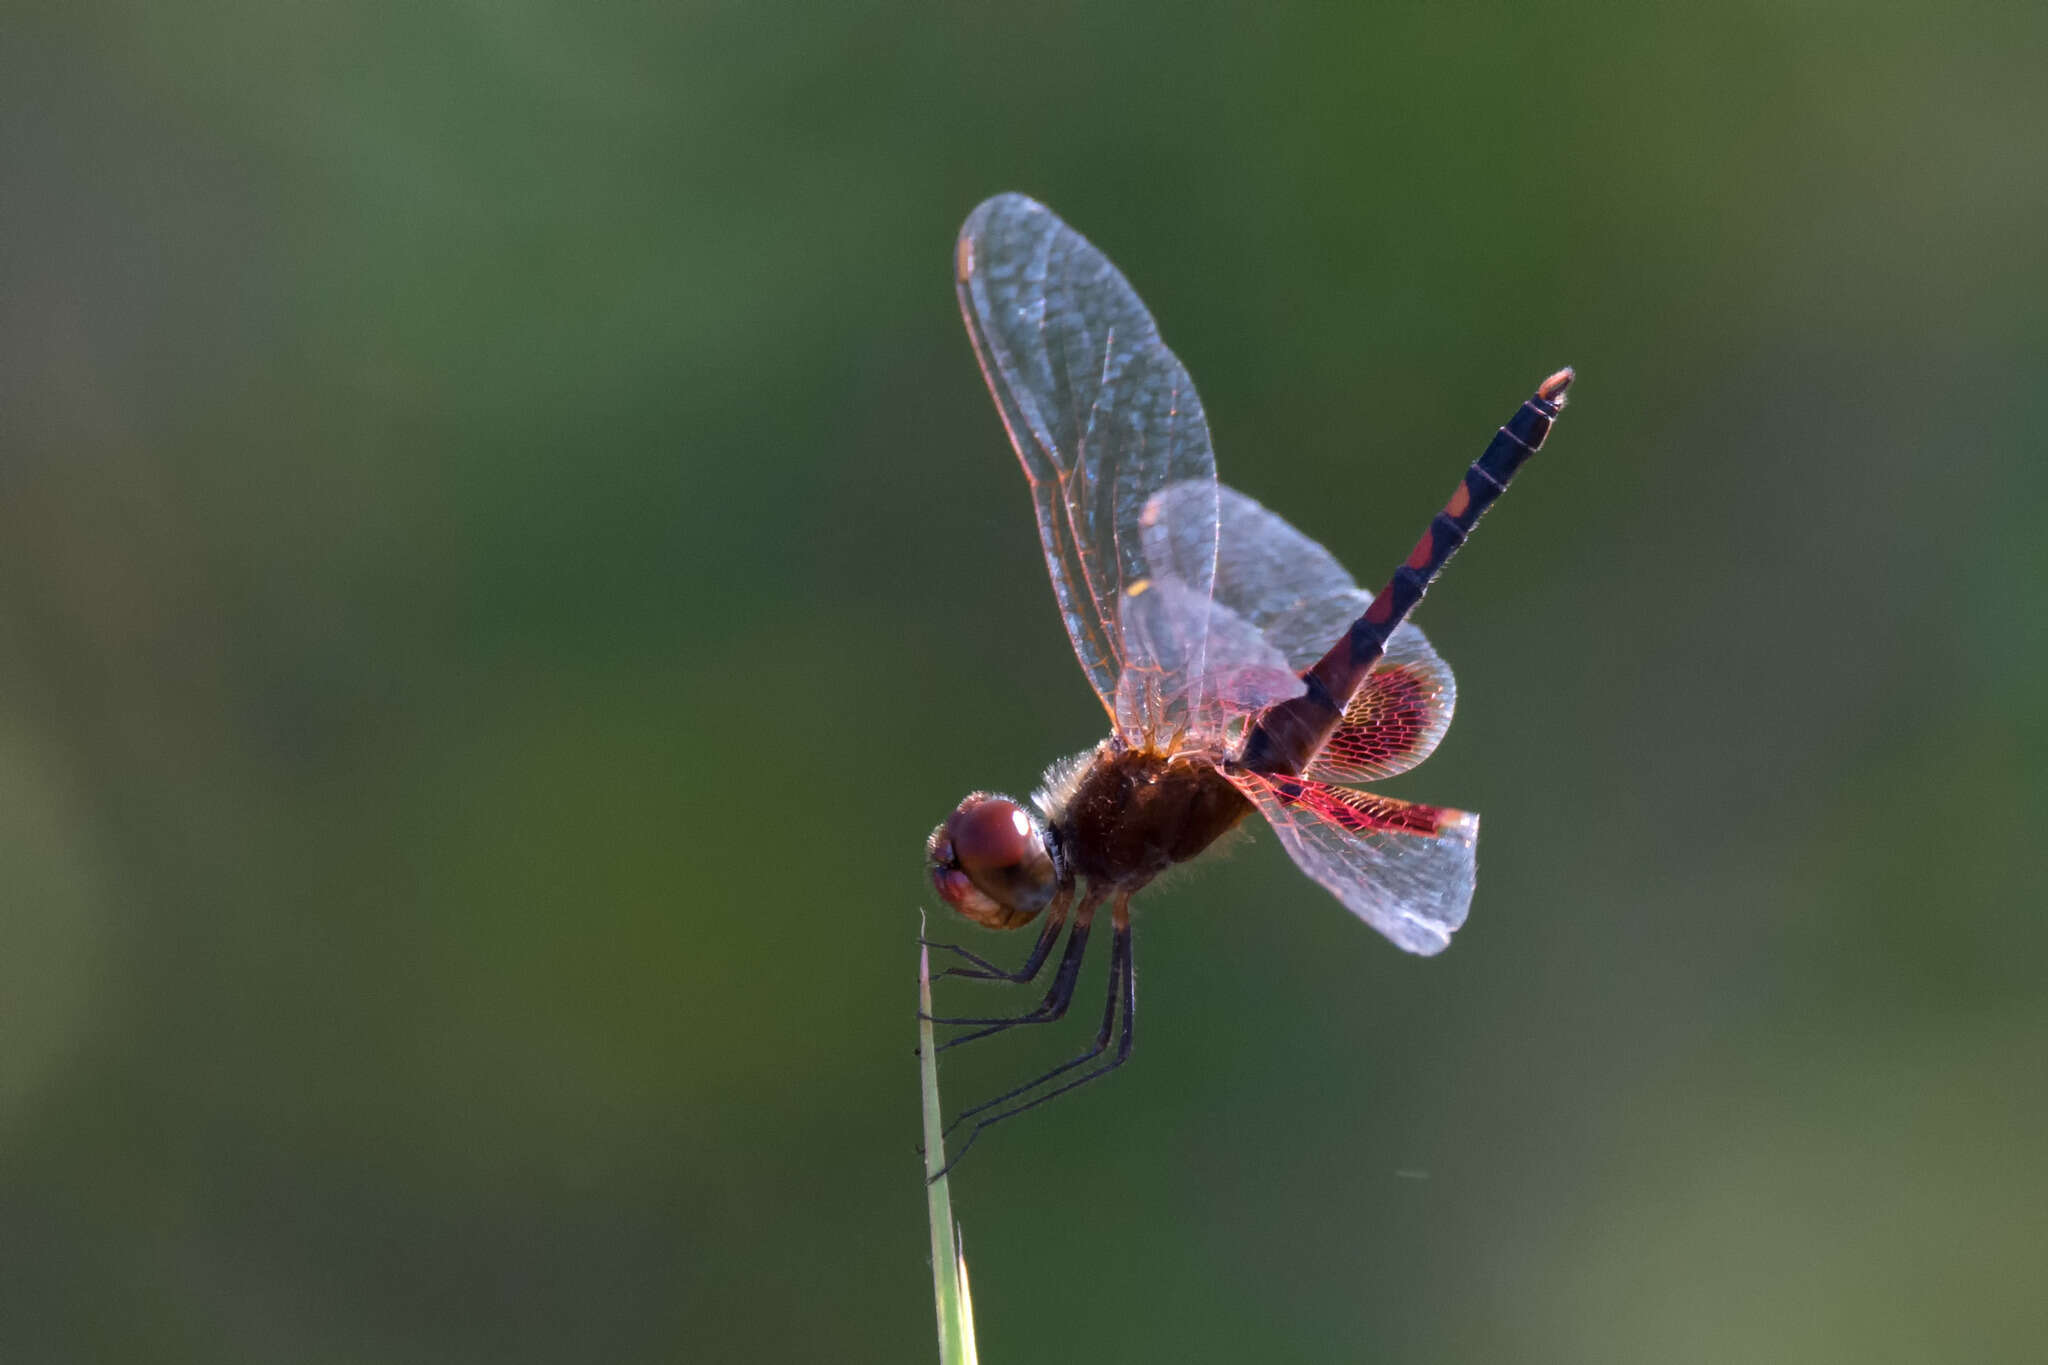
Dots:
{"x": 992, "y": 835}
{"x": 989, "y": 861}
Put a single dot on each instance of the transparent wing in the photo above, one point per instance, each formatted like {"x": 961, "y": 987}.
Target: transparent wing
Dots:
{"x": 1103, "y": 415}
{"x": 1292, "y": 589}
{"x": 1406, "y": 869}
{"x": 1285, "y": 584}
{"x": 1296, "y": 594}
{"x": 1192, "y": 666}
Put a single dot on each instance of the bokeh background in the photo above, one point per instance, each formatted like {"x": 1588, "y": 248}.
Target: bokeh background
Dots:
{"x": 505, "y": 554}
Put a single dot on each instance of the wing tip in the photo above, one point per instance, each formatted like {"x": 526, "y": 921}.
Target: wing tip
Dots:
{"x": 1010, "y": 203}
{"x": 1438, "y": 940}
{"x": 1008, "y": 200}
{"x": 1428, "y": 937}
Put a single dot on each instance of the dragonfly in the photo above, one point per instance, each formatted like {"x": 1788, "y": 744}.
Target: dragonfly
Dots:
{"x": 1242, "y": 668}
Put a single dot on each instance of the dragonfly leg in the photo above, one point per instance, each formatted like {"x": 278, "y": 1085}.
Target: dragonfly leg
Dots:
{"x": 1054, "y": 1006}
{"x": 1055, "y": 920}
{"x": 1119, "y": 957}
{"x": 1123, "y": 982}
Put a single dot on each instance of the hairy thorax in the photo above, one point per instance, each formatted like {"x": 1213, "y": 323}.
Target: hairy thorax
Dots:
{"x": 1123, "y": 816}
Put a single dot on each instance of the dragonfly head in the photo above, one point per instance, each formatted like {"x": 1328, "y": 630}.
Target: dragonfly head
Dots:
{"x": 990, "y": 861}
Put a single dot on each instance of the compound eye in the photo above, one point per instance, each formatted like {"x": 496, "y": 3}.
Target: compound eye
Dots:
{"x": 1002, "y": 847}
{"x": 993, "y": 835}
{"x": 989, "y": 861}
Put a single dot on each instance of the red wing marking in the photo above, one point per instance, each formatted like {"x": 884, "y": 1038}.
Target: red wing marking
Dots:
{"x": 1404, "y": 868}
{"x": 1393, "y": 722}
{"x": 1358, "y": 812}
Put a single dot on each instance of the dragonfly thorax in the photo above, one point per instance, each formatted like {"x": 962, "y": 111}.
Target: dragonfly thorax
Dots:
{"x": 1121, "y": 816}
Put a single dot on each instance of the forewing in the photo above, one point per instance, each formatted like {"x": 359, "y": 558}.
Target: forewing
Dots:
{"x": 1194, "y": 666}
{"x": 1102, "y": 415}
{"x": 1404, "y": 868}
{"x": 1290, "y": 588}
{"x": 1286, "y": 585}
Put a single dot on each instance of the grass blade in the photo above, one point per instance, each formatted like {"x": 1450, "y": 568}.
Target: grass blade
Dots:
{"x": 949, "y": 1263}
{"x": 969, "y": 1355}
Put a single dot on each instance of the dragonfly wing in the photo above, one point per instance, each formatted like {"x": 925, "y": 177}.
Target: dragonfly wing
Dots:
{"x": 1194, "y": 665}
{"x": 1404, "y": 868}
{"x": 1394, "y": 720}
{"x": 1296, "y": 594}
{"x": 1288, "y": 586}
{"x": 1102, "y": 415}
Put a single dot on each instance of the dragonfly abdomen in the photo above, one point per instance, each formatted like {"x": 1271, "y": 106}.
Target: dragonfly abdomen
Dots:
{"x": 1287, "y": 736}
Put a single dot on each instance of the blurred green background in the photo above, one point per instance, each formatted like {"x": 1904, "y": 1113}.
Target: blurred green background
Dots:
{"x": 505, "y": 554}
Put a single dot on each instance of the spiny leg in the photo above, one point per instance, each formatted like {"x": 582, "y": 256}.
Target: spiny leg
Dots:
{"x": 1119, "y": 960}
{"x": 1055, "y": 920}
{"x": 1057, "y": 999}
{"x": 1123, "y": 1047}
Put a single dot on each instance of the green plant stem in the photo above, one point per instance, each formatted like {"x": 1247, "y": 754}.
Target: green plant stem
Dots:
{"x": 949, "y": 1268}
